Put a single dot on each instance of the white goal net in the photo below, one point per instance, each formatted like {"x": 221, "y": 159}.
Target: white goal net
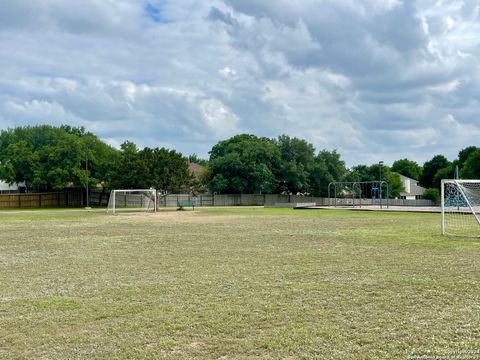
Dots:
{"x": 124, "y": 201}
{"x": 461, "y": 208}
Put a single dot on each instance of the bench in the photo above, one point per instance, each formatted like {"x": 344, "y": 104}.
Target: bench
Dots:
{"x": 182, "y": 203}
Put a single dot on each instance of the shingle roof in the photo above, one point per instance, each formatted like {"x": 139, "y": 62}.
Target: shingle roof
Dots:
{"x": 195, "y": 168}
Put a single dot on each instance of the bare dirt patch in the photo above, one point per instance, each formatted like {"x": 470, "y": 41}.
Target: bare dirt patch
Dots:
{"x": 184, "y": 217}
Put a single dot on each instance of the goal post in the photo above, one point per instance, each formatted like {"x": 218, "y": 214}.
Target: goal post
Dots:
{"x": 132, "y": 200}
{"x": 460, "y": 200}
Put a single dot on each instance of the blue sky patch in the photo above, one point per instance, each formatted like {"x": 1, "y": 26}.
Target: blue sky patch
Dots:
{"x": 156, "y": 12}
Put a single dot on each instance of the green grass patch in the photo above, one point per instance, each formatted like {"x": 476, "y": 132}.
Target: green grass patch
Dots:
{"x": 235, "y": 283}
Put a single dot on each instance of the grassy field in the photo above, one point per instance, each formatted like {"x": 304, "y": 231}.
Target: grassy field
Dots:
{"x": 235, "y": 283}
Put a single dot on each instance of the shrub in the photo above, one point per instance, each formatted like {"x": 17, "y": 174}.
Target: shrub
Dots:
{"x": 432, "y": 194}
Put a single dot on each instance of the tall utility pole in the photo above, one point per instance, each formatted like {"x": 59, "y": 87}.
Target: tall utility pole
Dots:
{"x": 380, "y": 163}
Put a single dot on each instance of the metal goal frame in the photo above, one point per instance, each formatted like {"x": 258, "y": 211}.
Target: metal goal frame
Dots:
{"x": 462, "y": 205}
{"x": 114, "y": 193}
{"x": 363, "y": 193}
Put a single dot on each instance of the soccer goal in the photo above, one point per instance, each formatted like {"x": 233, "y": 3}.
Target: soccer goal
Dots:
{"x": 358, "y": 193}
{"x": 461, "y": 208}
{"x": 125, "y": 201}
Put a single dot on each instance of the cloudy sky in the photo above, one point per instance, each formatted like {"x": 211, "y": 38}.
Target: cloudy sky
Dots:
{"x": 375, "y": 79}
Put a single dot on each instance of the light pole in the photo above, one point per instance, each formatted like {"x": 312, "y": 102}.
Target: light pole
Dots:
{"x": 380, "y": 163}
{"x": 86, "y": 173}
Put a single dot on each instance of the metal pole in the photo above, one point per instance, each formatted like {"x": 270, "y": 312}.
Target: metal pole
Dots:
{"x": 329, "y": 194}
{"x": 388, "y": 194}
{"x": 381, "y": 195}
{"x": 335, "y": 190}
{"x": 155, "y": 199}
{"x": 353, "y": 194}
{"x": 380, "y": 163}
{"x": 86, "y": 167}
{"x": 87, "y": 204}
{"x": 443, "y": 205}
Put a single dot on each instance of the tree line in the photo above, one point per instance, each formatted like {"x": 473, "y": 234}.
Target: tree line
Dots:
{"x": 251, "y": 164}
{"x": 50, "y": 158}
{"x": 439, "y": 167}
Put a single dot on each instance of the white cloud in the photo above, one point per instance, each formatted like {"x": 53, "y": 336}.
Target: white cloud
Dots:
{"x": 37, "y": 110}
{"x": 396, "y": 77}
{"x": 219, "y": 118}
{"x": 227, "y": 73}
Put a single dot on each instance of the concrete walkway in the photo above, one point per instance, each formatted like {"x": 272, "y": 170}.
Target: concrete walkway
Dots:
{"x": 420, "y": 209}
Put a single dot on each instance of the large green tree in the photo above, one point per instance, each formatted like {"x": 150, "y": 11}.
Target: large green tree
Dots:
{"x": 465, "y": 153}
{"x": 471, "y": 167}
{"x": 430, "y": 169}
{"x": 328, "y": 167}
{"x": 244, "y": 164}
{"x": 53, "y": 158}
{"x": 158, "y": 168}
{"x": 447, "y": 172}
{"x": 168, "y": 169}
{"x": 297, "y": 161}
{"x": 130, "y": 171}
{"x": 463, "y": 162}
{"x": 407, "y": 168}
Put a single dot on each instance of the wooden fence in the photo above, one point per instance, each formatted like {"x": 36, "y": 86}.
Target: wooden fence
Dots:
{"x": 71, "y": 198}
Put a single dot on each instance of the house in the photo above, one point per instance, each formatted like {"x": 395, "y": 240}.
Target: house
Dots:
{"x": 196, "y": 169}
{"x": 199, "y": 172}
{"x": 412, "y": 191}
{"x": 5, "y": 188}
